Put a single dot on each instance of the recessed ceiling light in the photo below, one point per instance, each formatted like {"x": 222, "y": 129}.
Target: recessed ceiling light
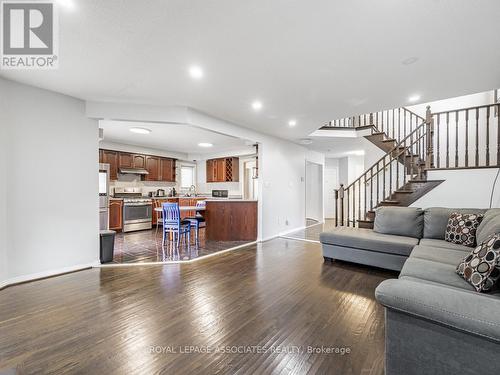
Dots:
{"x": 257, "y": 105}
{"x": 292, "y": 123}
{"x": 140, "y": 130}
{"x": 409, "y": 60}
{"x": 68, "y": 4}
{"x": 414, "y": 98}
{"x": 196, "y": 72}
{"x": 205, "y": 144}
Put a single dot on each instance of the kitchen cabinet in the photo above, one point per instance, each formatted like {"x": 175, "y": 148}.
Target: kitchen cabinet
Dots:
{"x": 231, "y": 220}
{"x": 223, "y": 170}
{"x": 153, "y": 168}
{"x": 159, "y": 168}
{"x": 111, "y": 158}
{"x": 139, "y": 161}
{"x": 125, "y": 160}
{"x": 167, "y": 170}
{"x": 116, "y": 214}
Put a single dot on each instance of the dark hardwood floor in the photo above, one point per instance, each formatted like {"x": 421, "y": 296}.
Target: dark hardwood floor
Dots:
{"x": 312, "y": 232}
{"x": 138, "y": 320}
{"x": 145, "y": 246}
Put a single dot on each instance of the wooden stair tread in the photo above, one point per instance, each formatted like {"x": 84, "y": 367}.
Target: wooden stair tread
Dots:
{"x": 364, "y": 127}
{"x": 403, "y": 191}
{"x": 389, "y": 140}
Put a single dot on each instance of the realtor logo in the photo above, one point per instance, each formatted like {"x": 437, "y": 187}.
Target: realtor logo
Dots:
{"x": 29, "y": 38}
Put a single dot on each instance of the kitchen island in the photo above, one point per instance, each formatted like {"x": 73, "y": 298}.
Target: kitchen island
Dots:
{"x": 231, "y": 219}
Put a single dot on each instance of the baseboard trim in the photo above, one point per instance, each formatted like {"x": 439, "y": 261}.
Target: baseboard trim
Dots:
{"x": 45, "y": 274}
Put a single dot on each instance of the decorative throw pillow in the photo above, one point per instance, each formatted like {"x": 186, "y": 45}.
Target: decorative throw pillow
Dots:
{"x": 481, "y": 268}
{"x": 461, "y": 228}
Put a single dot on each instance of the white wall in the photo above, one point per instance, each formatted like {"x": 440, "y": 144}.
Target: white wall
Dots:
{"x": 468, "y": 188}
{"x": 331, "y": 182}
{"x": 314, "y": 191}
{"x": 52, "y": 182}
{"x": 3, "y": 187}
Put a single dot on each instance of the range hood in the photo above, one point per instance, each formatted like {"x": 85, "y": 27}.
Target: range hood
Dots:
{"x": 140, "y": 171}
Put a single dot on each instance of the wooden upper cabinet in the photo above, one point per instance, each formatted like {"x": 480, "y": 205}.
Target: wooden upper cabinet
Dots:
{"x": 167, "y": 170}
{"x": 125, "y": 160}
{"x": 159, "y": 169}
{"x": 223, "y": 170}
{"x": 209, "y": 170}
{"x": 138, "y": 161}
{"x": 111, "y": 158}
{"x": 153, "y": 168}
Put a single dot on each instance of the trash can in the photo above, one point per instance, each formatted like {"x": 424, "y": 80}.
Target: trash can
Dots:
{"x": 107, "y": 245}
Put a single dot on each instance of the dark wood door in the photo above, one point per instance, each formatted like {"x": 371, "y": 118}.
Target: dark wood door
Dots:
{"x": 116, "y": 215}
{"x": 209, "y": 171}
{"x": 221, "y": 170}
{"x": 125, "y": 160}
{"x": 153, "y": 168}
{"x": 167, "y": 170}
{"x": 139, "y": 161}
{"x": 111, "y": 158}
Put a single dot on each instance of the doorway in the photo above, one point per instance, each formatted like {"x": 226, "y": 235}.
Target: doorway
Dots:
{"x": 314, "y": 193}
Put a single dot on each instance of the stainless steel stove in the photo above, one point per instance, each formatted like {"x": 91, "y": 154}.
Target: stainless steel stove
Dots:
{"x": 137, "y": 209}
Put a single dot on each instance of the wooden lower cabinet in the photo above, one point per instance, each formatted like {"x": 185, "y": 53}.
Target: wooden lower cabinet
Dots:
{"x": 231, "y": 220}
{"x": 116, "y": 214}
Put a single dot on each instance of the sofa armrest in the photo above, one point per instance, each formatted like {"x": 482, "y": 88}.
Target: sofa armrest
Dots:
{"x": 467, "y": 311}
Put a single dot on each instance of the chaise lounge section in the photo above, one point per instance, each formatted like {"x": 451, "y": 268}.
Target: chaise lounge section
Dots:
{"x": 436, "y": 322}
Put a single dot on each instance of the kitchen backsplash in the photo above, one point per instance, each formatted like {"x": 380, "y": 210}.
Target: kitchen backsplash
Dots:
{"x": 147, "y": 186}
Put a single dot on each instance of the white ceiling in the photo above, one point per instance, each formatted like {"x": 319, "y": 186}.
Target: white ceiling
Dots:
{"x": 309, "y": 60}
{"x": 171, "y": 137}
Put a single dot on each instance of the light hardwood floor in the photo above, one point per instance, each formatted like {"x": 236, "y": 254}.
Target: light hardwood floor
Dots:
{"x": 279, "y": 293}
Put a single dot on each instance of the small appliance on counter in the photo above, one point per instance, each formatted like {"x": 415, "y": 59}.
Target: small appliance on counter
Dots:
{"x": 220, "y": 193}
{"x": 160, "y": 193}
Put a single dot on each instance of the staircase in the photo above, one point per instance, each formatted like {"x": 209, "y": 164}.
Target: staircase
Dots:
{"x": 399, "y": 178}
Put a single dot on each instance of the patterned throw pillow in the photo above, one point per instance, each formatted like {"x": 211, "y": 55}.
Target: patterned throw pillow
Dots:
{"x": 481, "y": 268}
{"x": 461, "y": 228}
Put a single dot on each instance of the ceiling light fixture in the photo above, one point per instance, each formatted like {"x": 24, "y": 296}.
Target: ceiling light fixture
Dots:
{"x": 68, "y": 4}
{"x": 205, "y": 144}
{"x": 196, "y": 72}
{"x": 414, "y": 98}
{"x": 256, "y": 105}
{"x": 292, "y": 123}
{"x": 140, "y": 130}
{"x": 410, "y": 60}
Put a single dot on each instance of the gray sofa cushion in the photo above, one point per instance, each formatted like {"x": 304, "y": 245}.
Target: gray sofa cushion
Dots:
{"x": 440, "y": 255}
{"x": 436, "y": 219}
{"x": 399, "y": 221}
{"x": 367, "y": 239}
{"x": 444, "y": 244}
{"x": 434, "y": 271}
{"x": 490, "y": 225}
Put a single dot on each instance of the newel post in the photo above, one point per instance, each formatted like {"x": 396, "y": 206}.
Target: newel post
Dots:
{"x": 339, "y": 205}
{"x": 429, "y": 121}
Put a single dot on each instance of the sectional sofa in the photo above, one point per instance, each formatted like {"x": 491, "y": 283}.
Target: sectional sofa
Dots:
{"x": 436, "y": 323}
